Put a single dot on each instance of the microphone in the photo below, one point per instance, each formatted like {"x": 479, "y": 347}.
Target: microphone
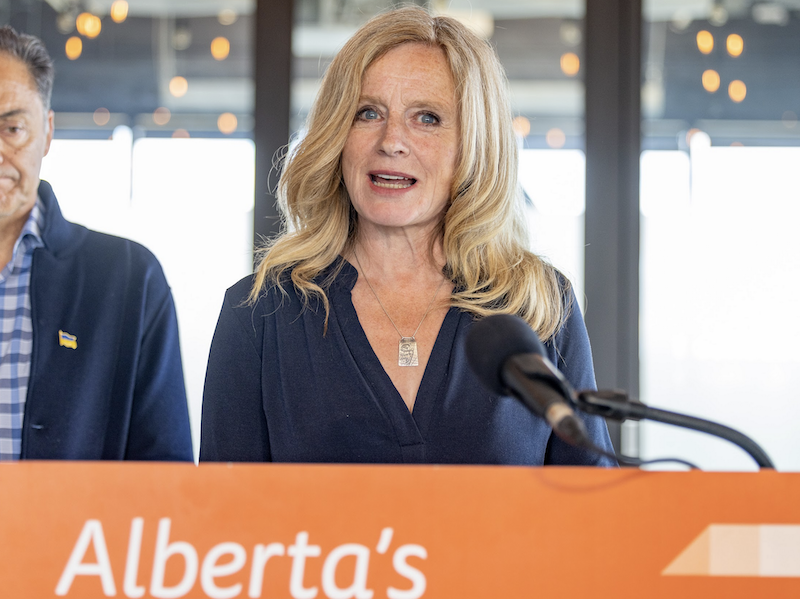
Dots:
{"x": 508, "y": 358}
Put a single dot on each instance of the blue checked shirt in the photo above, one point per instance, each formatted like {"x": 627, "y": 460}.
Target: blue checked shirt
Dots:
{"x": 16, "y": 333}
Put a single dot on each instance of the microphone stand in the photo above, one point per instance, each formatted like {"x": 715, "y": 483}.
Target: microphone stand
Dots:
{"x": 616, "y": 405}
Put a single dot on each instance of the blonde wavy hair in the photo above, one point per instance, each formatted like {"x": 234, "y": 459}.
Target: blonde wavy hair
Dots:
{"x": 483, "y": 233}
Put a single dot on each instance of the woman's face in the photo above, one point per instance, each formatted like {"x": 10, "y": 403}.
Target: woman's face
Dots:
{"x": 400, "y": 155}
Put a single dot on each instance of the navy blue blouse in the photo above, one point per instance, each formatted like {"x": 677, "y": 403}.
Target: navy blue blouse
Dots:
{"x": 277, "y": 389}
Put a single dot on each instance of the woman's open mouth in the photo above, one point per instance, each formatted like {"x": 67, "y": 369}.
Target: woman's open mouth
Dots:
{"x": 391, "y": 181}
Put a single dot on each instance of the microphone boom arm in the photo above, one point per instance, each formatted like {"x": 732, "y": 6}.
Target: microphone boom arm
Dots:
{"x": 616, "y": 405}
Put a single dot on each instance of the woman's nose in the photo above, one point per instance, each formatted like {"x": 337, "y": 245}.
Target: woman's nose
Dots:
{"x": 394, "y": 139}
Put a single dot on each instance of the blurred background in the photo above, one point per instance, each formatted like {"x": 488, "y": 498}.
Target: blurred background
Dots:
{"x": 658, "y": 141}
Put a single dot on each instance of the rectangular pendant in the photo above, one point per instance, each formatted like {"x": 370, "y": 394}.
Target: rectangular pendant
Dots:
{"x": 408, "y": 352}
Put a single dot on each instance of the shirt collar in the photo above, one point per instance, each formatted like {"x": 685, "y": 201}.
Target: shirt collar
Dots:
{"x": 31, "y": 234}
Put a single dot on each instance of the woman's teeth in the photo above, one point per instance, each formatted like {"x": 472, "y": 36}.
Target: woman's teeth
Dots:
{"x": 392, "y": 181}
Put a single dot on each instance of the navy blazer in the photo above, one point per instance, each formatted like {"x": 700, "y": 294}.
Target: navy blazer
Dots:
{"x": 119, "y": 393}
{"x": 278, "y": 389}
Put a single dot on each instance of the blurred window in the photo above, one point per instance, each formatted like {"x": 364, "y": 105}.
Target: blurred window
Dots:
{"x": 720, "y": 259}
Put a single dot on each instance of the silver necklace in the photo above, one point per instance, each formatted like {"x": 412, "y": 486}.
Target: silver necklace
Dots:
{"x": 407, "y": 354}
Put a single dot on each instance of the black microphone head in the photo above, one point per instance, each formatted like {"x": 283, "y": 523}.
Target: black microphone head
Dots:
{"x": 493, "y": 340}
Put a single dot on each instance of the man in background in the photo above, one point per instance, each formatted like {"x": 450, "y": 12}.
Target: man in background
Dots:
{"x": 90, "y": 364}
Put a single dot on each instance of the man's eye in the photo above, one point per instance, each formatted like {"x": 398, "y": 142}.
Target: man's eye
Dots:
{"x": 429, "y": 119}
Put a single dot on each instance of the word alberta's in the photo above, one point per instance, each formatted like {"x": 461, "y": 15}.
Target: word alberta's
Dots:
{"x": 344, "y": 575}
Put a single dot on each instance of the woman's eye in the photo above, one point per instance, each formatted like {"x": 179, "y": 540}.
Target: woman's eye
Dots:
{"x": 368, "y": 114}
{"x": 428, "y": 119}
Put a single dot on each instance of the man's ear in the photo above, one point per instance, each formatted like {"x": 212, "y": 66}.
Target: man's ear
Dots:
{"x": 49, "y": 123}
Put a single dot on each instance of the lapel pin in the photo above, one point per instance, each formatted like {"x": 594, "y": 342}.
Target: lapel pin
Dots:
{"x": 67, "y": 340}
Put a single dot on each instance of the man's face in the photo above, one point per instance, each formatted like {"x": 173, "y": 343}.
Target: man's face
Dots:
{"x": 25, "y": 134}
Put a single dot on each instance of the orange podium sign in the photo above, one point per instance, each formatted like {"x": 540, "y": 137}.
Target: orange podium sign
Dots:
{"x": 85, "y": 530}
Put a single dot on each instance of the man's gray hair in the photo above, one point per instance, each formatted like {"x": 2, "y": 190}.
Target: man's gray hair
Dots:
{"x": 31, "y": 51}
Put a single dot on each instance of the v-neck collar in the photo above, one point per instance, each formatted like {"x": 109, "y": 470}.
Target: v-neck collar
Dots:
{"x": 411, "y": 427}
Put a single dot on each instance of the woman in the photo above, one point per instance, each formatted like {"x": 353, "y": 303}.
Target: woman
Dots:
{"x": 402, "y": 228}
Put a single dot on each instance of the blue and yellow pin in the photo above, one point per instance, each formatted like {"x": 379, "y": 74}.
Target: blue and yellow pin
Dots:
{"x": 67, "y": 340}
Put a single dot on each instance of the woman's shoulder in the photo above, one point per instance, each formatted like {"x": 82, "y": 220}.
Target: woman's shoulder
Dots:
{"x": 570, "y": 348}
{"x": 239, "y": 292}
{"x": 244, "y": 316}
{"x": 275, "y": 294}
{"x": 272, "y": 293}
